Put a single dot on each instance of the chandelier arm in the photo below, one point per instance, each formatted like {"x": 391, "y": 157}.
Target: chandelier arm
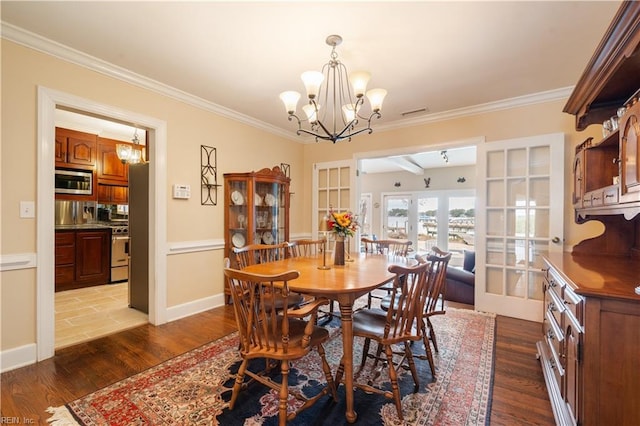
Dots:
{"x": 329, "y": 137}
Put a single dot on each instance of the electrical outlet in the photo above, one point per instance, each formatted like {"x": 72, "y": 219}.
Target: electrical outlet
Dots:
{"x": 27, "y": 209}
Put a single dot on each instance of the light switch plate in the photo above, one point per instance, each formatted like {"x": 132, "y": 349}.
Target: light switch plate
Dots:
{"x": 27, "y": 209}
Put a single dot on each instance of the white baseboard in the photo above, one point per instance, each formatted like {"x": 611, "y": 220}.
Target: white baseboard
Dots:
{"x": 195, "y": 307}
{"x": 18, "y": 357}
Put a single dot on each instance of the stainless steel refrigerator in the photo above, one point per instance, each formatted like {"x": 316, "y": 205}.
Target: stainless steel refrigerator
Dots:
{"x": 139, "y": 237}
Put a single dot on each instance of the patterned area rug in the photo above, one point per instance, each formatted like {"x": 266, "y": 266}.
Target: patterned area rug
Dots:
{"x": 194, "y": 388}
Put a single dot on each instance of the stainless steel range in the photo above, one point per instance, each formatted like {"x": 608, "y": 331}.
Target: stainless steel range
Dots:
{"x": 119, "y": 251}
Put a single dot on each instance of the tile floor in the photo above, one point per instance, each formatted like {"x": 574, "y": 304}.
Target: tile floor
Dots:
{"x": 88, "y": 313}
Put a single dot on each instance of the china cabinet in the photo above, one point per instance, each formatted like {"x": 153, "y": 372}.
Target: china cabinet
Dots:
{"x": 256, "y": 208}
{"x": 591, "y": 324}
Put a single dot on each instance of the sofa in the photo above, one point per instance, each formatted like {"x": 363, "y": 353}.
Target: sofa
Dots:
{"x": 460, "y": 286}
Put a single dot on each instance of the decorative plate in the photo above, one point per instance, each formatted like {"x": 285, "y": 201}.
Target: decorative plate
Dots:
{"x": 237, "y": 198}
{"x": 267, "y": 237}
{"x": 238, "y": 240}
{"x": 269, "y": 199}
{"x": 258, "y": 199}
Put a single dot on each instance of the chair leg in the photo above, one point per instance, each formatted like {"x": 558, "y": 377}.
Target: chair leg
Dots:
{"x": 412, "y": 366}
{"x": 432, "y": 335}
{"x": 284, "y": 393}
{"x": 237, "y": 386}
{"x": 327, "y": 373}
{"x": 339, "y": 373}
{"x": 365, "y": 352}
{"x": 393, "y": 376}
{"x": 427, "y": 350}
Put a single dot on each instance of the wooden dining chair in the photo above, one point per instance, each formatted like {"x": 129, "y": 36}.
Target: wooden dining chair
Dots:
{"x": 312, "y": 248}
{"x": 439, "y": 261}
{"x": 306, "y": 248}
{"x": 278, "y": 338}
{"x": 368, "y": 245}
{"x": 259, "y": 253}
{"x": 394, "y": 249}
{"x": 398, "y": 326}
{"x": 263, "y": 253}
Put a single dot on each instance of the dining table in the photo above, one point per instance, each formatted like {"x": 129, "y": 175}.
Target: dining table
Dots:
{"x": 341, "y": 283}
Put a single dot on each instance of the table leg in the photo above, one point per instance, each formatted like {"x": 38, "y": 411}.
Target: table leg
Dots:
{"x": 346, "y": 317}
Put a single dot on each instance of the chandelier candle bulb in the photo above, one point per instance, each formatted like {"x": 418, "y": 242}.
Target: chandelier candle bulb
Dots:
{"x": 376, "y": 97}
{"x": 290, "y": 99}
{"x": 359, "y": 81}
{"x": 312, "y": 81}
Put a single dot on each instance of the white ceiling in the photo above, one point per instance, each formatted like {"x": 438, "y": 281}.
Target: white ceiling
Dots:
{"x": 444, "y": 56}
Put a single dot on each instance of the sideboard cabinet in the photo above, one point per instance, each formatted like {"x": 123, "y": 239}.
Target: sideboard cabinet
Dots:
{"x": 589, "y": 352}
{"x": 256, "y": 209}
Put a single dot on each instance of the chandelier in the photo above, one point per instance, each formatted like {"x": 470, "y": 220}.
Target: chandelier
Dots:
{"x": 335, "y": 109}
{"x": 128, "y": 153}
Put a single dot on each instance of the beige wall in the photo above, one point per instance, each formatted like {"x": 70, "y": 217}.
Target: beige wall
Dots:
{"x": 543, "y": 118}
{"x": 240, "y": 148}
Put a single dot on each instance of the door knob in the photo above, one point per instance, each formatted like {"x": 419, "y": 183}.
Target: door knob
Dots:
{"x": 555, "y": 240}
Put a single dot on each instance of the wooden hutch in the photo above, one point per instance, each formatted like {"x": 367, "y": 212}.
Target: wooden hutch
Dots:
{"x": 256, "y": 209}
{"x": 590, "y": 351}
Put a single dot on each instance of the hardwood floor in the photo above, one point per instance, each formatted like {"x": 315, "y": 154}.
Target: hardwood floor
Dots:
{"x": 519, "y": 393}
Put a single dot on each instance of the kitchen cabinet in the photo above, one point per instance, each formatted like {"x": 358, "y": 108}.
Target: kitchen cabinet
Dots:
{"x": 110, "y": 169}
{"x": 591, "y": 340}
{"x": 74, "y": 149}
{"x": 113, "y": 194}
{"x": 65, "y": 255}
{"x": 83, "y": 258}
{"x": 256, "y": 209}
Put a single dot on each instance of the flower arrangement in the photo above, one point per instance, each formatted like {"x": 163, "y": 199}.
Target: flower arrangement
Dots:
{"x": 343, "y": 224}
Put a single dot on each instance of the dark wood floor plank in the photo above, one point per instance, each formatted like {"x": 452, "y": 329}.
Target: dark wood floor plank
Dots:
{"x": 519, "y": 393}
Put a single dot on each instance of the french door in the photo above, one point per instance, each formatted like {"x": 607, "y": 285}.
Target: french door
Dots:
{"x": 445, "y": 219}
{"x": 334, "y": 184}
{"x": 521, "y": 186}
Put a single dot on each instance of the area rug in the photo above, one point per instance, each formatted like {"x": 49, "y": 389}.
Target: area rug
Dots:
{"x": 194, "y": 388}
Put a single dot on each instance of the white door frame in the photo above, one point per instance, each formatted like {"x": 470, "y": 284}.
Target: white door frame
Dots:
{"x": 48, "y": 101}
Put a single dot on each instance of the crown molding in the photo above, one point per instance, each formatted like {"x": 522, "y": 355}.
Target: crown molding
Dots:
{"x": 60, "y": 51}
{"x": 520, "y": 101}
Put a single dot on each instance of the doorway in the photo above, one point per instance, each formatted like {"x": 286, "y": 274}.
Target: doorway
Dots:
{"x": 48, "y": 101}
{"x": 90, "y": 312}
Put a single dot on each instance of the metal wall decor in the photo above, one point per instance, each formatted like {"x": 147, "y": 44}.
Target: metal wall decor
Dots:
{"x": 286, "y": 169}
{"x": 208, "y": 176}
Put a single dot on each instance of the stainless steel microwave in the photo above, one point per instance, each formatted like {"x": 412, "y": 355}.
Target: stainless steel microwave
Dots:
{"x": 77, "y": 182}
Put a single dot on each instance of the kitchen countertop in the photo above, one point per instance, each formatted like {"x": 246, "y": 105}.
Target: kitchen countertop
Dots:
{"x": 82, "y": 226}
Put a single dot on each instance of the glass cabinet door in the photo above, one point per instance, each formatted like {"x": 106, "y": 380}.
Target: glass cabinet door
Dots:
{"x": 269, "y": 213}
{"x": 239, "y": 232}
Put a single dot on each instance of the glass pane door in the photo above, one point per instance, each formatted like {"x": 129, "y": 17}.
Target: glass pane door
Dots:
{"x": 461, "y": 227}
{"x": 396, "y": 217}
{"x": 428, "y": 220}
{"x": 515, "y": 229}
{"x": 333, "y": 183}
